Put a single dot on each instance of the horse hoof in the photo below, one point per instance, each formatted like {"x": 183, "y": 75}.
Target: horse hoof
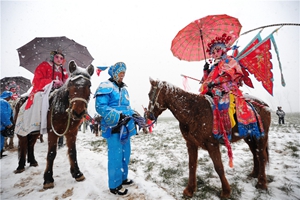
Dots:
{"x": 81, "y": 178}
{"x": 48, "y": 186}
{"x": 18, "y": 171}
{"x": 188, "y": 193}
{"x": 261, "y": 186}
{"x": 225, "y": 195}
{"x": 34, "y": 164}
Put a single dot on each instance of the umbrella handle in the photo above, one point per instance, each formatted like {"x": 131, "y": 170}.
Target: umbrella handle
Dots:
{"x": 201, "y": 36}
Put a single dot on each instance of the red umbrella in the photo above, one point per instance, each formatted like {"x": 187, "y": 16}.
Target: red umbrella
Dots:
{"x": 190, "y": 43}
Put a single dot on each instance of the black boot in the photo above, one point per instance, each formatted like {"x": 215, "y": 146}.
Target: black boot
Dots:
{"x": 119, "y": 191}
{"x": 41, "y": 138}
{"x": 1, "y": 155}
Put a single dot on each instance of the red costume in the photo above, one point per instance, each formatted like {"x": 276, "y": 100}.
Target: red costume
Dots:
{"x": 43, "y": 75}
{"x": 222, "y": 82}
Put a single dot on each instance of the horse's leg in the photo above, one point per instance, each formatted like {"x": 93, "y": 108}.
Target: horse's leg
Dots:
{"x": 52, "y": 148}
{"x": 22, "y": 152}
{"x": 193, "y": 156}
{"x": 74, "y": 169}
{"x": 215, "y": 155}
{"x": 262, "y": 160}
{"x": 31, "y": 142}
{"x": 11, "y": 142}
{"x": 252, "y": 145}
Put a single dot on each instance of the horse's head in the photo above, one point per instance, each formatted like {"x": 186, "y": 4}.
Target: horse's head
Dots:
{"x": 79, "y": 91}
{"x": 156, "y": 99}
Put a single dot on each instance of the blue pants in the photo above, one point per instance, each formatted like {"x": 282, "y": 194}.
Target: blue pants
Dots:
{"x": 118, "y": 160}
{"x": 1, "y": 142}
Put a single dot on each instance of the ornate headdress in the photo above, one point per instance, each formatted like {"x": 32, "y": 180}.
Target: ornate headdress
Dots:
{"x": 220, "y": 42}
{"x": 116, "y": 69}
{"x": 53, "y": 53}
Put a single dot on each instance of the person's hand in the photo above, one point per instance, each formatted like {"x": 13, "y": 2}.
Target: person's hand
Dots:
{"x": 206, "y": 66}
{"x": 9, "y": 126}
{"x": 57, "y": 83}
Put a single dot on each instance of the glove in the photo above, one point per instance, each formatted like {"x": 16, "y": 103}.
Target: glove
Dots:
{"x": 8, "y": 132}
{"x": 135, "y": 115}
{"x": 210, "y": 85}
{"x": 124, "y": 119}
{"x": 206, "y": 66}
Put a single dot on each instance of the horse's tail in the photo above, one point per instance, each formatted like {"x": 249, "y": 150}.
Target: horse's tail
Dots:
{"x": 267, "y": 152}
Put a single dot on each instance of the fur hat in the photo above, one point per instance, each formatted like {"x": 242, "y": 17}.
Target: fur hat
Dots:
{"x": 116, "y": 69}
{"x": 6, "y": 94}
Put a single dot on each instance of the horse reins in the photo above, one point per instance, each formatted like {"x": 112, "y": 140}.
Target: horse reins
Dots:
{"x": 69, "y": 110}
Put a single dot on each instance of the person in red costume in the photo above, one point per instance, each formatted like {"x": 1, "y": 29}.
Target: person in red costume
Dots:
{"x": 46, "y": 72}
{"x": 222, "y": 80}
{"x": 48, "y": 76}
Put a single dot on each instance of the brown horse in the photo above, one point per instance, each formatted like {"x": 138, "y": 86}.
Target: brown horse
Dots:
{"x": 195, "y": 118}
{"x": 67, "y": 106}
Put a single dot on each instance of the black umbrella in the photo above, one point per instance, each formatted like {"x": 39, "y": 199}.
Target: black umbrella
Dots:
{"x": 38, "y": 50}
{"x": 20, "y": 83}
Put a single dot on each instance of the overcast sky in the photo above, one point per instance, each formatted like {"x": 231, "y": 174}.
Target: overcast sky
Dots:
{"x": 140, "y": 33}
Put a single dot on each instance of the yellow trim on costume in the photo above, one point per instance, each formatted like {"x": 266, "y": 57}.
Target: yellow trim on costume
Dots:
{"x": 231, "y": 110}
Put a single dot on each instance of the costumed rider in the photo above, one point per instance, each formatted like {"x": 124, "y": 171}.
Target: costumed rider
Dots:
{"x": 222, "y": 80}
{"x": 48, "y": 76}
{"x": 113, "y": 104}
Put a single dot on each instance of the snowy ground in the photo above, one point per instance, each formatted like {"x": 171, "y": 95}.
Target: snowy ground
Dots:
{"x": 159, "y": 166}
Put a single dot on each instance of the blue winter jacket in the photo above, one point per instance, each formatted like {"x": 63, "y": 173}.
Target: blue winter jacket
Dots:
{"x": 111, "y": 101}
{"x": 6, "y": 114}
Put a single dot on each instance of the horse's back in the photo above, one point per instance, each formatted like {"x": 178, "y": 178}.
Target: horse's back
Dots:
{"x": 262, "y": 109}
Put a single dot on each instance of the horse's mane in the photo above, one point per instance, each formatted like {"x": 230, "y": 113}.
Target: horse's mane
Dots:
{"x": 170, "y": 88}
{"x": 188, "y": 95}
{"x": 59, "y": 99}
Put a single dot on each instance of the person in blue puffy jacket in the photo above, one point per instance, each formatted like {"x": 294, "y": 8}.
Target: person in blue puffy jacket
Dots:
{"x": 117, "y": 125}
{"x": 6, "y": 116}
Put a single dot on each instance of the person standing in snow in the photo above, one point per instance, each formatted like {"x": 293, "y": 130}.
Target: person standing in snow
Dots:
{"x": 12, "y": 87}
{"x": 280, "y": 113}
{"x": 6, "y": 116}
{"x": 113, "y": 104}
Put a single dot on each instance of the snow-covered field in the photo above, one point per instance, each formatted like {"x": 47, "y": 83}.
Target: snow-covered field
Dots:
{"x": 159, "y": 166}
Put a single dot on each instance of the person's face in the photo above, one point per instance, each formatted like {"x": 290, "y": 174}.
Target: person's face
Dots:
{"x": 58, "y": 59}
{"x": 121, "y": 76}
{"x": 217, "y": 53}
{"x": 13, "y": 90}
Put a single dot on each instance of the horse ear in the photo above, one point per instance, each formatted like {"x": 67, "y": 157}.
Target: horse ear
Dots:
{"x": 90, "y": 70}
{"x": 72, "y": 66}
{"x": 151, "y": 81}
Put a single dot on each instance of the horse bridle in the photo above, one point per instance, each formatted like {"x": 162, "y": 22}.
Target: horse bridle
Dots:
{"x": 69, "y": 110}
{"x": 153, "y": 101}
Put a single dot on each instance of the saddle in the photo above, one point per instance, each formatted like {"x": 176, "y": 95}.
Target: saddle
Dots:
{"x": 226, "y": 116}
